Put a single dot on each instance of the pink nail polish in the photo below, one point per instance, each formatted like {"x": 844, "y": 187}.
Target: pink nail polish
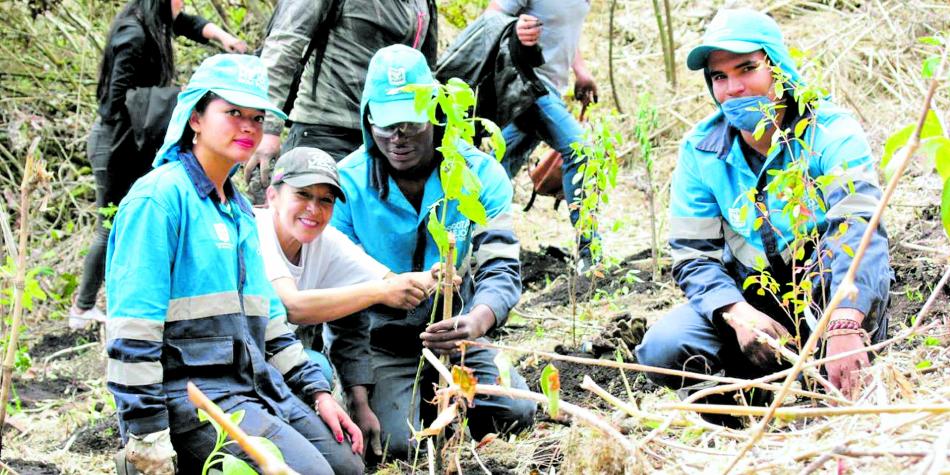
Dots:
{"x": 339, "y": 438}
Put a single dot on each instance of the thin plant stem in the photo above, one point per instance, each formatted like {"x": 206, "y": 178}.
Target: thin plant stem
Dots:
{"x": 26, "y": 187}
{"x": 670, "y": 48}
{"x": 610, "y": 58}
{"x": 846, "y": 287}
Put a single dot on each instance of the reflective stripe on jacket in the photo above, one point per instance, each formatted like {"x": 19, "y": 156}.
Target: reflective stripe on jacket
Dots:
{"x": 715, "y": 245}
{"x": 189, "y": 301}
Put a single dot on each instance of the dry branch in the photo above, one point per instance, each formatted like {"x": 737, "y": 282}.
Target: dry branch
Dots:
{"x": 796, "y": 412}
{"x": 846, "y": 287}
{"x": 19, "y": 282}
{"x": 746, "y": 383}
{"x": 577, "y": 412}
{"x": 269, "y": 464}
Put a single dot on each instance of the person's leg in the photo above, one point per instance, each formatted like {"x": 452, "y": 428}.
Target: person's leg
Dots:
{"x": 559, "y": 129}
{"x": 518, "y": 144}
{"x": 339, "y": 455}
{"x": 684, "y": 340}
{"x": 493, "y": 413}
{"x": 93, "y": 270}
{"x": 392, "y": 400}
{"x": 300, "y": 453}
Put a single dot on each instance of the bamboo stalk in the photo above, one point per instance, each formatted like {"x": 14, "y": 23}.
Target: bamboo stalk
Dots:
{"x": 26, "y": 187}
{"x": 448, "y": 292}
{"x": 797, "y": 412}
{"x": 847, "y": 287}
{"x": 630, "y": 409}
{"x": 577, "y": 412}
{"x": 610, "y": 57}
{"x": 671, "y": 49}
{"x": 654, "y": 369}
{"x": 269, "y": 464}
{"x": 659, "y": 25}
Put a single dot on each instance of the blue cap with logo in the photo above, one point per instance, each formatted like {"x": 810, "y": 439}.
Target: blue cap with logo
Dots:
{"x": 740, "y": 30}
{"x": 390, "y": 69}
{"x": 237, "y": 78}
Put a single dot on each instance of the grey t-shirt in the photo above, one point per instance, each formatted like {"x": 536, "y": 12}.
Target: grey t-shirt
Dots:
{"x": 560, "y": 34}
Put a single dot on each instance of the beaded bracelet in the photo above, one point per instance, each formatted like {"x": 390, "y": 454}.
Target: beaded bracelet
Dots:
{"x": 847, "y": 331}
{"x": 844, "y": 323}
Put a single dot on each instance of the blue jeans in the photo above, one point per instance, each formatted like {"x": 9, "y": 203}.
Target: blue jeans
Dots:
{"x": 304, "y": 440}
{"x": 550, "y": 121}
{"x": 392, "y": 399}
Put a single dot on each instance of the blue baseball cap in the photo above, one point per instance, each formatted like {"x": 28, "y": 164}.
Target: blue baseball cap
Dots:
{"x": 237, "y": 78}
{"x": 390, "y": 69}
{"x": 739, "y": 30}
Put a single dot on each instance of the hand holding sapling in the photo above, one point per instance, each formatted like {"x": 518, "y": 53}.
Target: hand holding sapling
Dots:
{"x": 443, "y": 337}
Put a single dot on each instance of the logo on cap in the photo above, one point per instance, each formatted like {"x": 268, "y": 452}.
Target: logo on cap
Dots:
{"x": 397, "y": 76}
{"x": 252, "y": 76}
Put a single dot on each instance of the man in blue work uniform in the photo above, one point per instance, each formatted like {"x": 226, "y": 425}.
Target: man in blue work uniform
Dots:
{"x": 717, "y": 241}
{"x": 390, "y": 185}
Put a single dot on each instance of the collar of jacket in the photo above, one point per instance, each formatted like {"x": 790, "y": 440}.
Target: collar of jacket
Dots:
{"x": 203, "y": 184}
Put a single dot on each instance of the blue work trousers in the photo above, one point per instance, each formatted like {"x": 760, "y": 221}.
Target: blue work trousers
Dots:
{"x": 305, "y": 441}
{"x": 392, "y": 399}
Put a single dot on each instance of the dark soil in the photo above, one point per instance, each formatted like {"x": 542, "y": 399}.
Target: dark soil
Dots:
{"x": 572, "y": 375}
{"x": 60, "y": 340}
{"x": 626, "y": 277}
{"x": 100, "y": 436}
{"x": 542, "y": 266}
{"x": 33, "y": 391}
{"x": 32, "y": 467}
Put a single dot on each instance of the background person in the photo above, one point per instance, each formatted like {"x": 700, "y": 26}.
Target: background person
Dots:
{"x": 137, "y": 70}
{"x": 325, "y": 114}
{"x": 189, "y": 301}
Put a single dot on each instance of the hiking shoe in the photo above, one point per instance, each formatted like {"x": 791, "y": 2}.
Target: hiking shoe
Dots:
{"x": 80, "y": 319}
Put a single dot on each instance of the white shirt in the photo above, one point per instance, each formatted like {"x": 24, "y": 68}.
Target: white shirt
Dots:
{"x": 331, "y": 260}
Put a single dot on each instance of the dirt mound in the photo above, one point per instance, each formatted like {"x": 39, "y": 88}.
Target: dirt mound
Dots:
{"x": 55, "y": 341}
{"x": 629, "y": 275}
{"x": 538, "y": 268}
{"x": 33, "y": 467}
{"x": 33, "y": 391}
{"x": 100, "y": 436}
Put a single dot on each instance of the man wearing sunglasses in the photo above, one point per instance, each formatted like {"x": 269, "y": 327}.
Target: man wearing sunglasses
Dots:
{"x": 391, "y": 183}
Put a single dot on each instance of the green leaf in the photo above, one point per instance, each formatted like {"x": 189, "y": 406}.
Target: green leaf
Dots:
{"x": 800, "y": 127}
{"x": 929, "y": 67}
{"x": 847, "y": 250}
{"x": 268, "y": 446}
{"x": 924, "y": 364}
{"x": 438, "y": 232}
{"x": 551, "y": 387}
{"x": 930, "y": 40}
{"x": 231, "y": 465}
{"x": 504, "y": 369}
{"x": 932, "y": 341}
{"x": 894, "y": 143}
{"x": 938, "y": 150}
{"x": 497, "y": 139}
{"x": 759, "y": 129}
{"x": 472, "y": 208}
{"x": 945, "y": 207}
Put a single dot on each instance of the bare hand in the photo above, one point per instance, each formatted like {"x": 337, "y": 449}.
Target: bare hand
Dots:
{"x": 369, "y": 424}
{"x": 844, "y": 373}
{"x": 743, "y": 317}
{"x": 338, "y": 422}
{"x": 443, "y": 337}
{"x": 262, "y": 158}
{"x": 436, "y": 272}
{"x": 233, "y": 45}
{"x": 585, "y": 88}
{"x": 528, "y": 29}
{"x": 407, "y": 290}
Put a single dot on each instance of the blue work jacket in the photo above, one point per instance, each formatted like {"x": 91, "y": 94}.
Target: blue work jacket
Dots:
{"x": 189, "y": 301}
{"x": 392, "y": 231}
{"x": 716, "y": 198}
